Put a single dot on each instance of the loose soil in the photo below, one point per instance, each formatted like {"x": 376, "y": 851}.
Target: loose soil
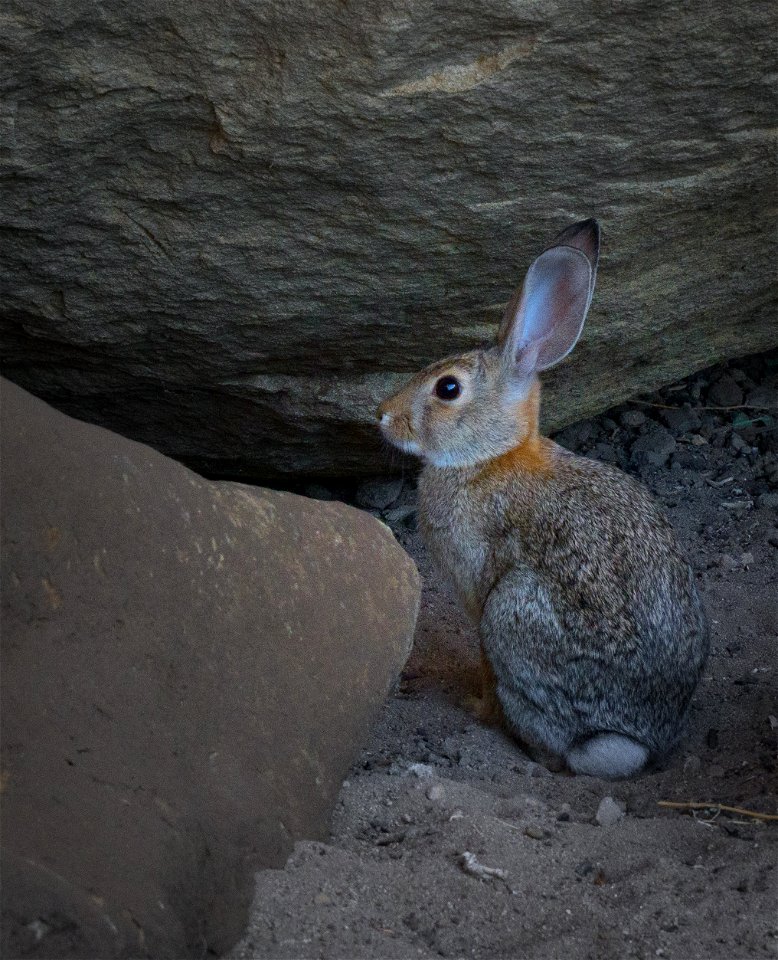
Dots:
{"x": 434, "y": 785}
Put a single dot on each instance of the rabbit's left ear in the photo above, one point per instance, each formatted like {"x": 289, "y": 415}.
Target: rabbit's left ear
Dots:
{"x": 544, "y": 319}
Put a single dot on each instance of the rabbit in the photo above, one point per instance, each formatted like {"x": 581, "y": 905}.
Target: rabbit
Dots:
{"x": 592, "y": 632}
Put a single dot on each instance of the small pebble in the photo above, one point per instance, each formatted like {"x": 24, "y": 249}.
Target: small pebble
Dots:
{"x": 609, "y": 812}
{"x": 692, "y": 764}
{"x": 654, "y": 447}
{"x": 533, "y": 769}
{"x": 576, "y": 435}
{"x": 421, "y": 770}
{"x": 632, "y": 419}
{"x": 725, "y": 392}
{"x": 39, "y": 929}
{"x": 435, "y": 792}
{"x": 720, "y": 436}
{"x": 604, "y": 451}
{"x": 534, "y": 833}
{"x": 404, "y": 515}
{"x": 378, "y": 494}
{"x": 680, "y": 419}
{"x": 745, "y": 560}
{"x": 765, "y": 398}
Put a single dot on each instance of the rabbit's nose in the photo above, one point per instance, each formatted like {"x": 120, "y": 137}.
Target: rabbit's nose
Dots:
{"x": 383, "y": 416}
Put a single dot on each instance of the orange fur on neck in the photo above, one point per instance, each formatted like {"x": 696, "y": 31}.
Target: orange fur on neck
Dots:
{"x": 532, "y": 454}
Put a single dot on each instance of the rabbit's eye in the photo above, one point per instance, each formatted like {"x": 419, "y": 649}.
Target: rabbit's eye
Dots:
{"x": 448, "y": 388}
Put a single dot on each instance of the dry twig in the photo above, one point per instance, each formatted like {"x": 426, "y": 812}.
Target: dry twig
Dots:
{"x": 675, "y": 406}
{"x": 718, "y": 807}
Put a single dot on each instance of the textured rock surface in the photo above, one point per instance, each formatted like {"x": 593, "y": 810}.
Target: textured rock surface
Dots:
{"x": 188, "y": 670}
{"x": 231, "y": 228}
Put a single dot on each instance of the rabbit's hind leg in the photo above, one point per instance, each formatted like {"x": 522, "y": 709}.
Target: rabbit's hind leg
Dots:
{"x": 520, "y": 633}
{"x": 537, "y": 736}
{"x": 485, "y": 706}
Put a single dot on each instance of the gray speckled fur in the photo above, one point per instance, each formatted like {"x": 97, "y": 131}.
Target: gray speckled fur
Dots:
{"x": 587, "y": 608}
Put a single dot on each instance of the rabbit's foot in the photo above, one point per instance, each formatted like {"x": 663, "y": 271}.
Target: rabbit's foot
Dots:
{"x": 485, "y": 708}
{"x": 553, "y": 762}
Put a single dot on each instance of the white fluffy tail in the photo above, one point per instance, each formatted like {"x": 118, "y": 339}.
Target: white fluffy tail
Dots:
{"x": 608, "y": 755}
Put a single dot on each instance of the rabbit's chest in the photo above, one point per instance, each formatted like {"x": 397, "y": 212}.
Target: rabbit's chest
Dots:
{"x": 455, "y": 535}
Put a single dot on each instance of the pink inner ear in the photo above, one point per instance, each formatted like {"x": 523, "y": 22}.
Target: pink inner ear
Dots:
{"x": 552, "y": 308}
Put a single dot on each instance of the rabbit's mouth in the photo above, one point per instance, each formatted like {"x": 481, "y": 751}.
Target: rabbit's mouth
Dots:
{"x": 392, "y": 428}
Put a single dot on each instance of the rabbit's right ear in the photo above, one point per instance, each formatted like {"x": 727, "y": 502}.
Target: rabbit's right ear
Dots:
{"x": 544, "y": 319}
{"x": 583, "y": 236}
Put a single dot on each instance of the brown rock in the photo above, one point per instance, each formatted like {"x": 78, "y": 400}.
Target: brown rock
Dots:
{"x": 232, "y": 228}
{"x": 188, "y": 670}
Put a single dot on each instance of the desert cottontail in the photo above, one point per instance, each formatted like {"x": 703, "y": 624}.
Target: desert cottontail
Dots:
{"x": 592, "y": 632}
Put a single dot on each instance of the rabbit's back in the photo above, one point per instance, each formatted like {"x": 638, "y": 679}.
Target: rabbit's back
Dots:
{"x": 606, "y": 551}
{"x": 587, "y": 604}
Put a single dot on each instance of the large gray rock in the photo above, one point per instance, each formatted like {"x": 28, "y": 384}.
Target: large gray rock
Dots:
{"x": 188, "y": 670}
{"x": 232, "y": 227}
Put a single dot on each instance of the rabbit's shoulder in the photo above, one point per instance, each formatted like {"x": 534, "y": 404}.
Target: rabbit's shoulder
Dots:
{"x": 595, "y": 533}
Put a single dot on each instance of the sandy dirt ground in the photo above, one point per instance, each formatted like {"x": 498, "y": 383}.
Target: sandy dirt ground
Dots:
{"x": 448, "y": 841}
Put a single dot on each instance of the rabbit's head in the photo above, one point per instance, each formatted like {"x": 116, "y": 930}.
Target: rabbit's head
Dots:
{"x": 470, "y": 408}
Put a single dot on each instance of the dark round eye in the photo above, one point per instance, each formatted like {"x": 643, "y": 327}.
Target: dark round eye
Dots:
{"x": 448, "y": 388}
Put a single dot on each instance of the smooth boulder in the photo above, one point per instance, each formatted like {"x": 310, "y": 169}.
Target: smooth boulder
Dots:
{"x": 189, "y": 668}
{"x": 232, "y": 228}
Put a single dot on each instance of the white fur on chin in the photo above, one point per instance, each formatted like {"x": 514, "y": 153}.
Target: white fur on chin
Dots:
{"x": 459, "y": 458}
{"x": 446, "y": 458}
{"x": 407, "y": 446}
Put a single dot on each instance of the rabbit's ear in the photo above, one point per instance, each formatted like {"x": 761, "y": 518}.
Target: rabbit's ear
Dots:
{"x": 583, "y": 236}
{"x": 544, "y": 319}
